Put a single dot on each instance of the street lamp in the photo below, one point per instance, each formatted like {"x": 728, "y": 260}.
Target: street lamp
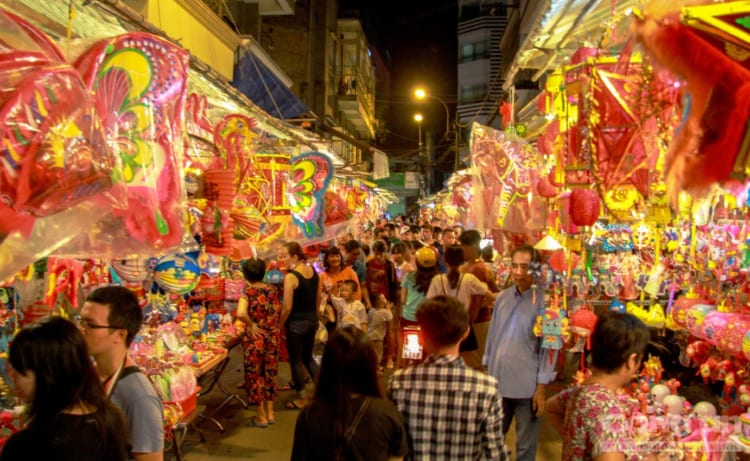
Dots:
{"x": 421, "y": 94}
{"x": 418, "y": 118}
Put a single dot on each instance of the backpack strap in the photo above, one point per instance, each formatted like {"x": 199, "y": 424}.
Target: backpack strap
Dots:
{"x": 352, "y": 429}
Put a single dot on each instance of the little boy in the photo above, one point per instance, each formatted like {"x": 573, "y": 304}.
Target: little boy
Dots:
{"x": 350, "y": 311}
{"x": 378, "y": 320}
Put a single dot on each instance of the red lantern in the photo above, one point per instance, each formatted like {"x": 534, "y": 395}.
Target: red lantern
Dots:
{"x": 584, "y": 207}
{"x": 582, "y": 323}
{"x": 559, "y": 260}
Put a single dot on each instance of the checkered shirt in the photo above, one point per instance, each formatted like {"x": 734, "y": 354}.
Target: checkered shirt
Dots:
{"x": 451, "y": 412}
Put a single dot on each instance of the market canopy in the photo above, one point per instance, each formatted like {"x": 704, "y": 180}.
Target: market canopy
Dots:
{"x": 559, "y": 29}
{"x": 256, "y": 81}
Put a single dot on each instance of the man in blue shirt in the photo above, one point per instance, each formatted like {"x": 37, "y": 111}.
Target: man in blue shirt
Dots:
{"x": 352, "y": 253}
{"x": 514, "y": 357}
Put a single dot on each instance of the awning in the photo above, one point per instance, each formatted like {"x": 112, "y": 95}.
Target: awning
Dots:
{"x": 256, "y": 81}
{"x": 559, "y": 30}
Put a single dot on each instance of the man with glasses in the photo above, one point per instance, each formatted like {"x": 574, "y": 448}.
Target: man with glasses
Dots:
{"x": 514, "y": 356}
{"x": 110, "y": 319}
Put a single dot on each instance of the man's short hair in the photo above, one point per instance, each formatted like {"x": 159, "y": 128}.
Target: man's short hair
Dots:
{"x": 351, "y": 245}
{"x": 390, "y": 226}
{"x": 470, "y": 237}
{"x": 443, "y": 320}
{"x": 526, "y": 249}
{"x": 124, "y": 310}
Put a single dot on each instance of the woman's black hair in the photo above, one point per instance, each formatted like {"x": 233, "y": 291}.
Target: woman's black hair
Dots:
{"x": 349, "y": 366}
{"x": 332, "y": 251}
{"x": 379, "y": 247}
{"x": 424, "y": 276}
{"x": 454, "y": 257}
{"x": 55, "y": 351}
{"x": 295, "y": 249}
{"x": 254, "y": 270}
{"x": 615, "y": 338}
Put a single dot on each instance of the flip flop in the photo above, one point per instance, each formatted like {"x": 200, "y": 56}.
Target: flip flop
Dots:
{"x": 286, "y": 387}
{"x": 294, "y": 405}
{"x": 255, "y": 423}
{"x": 271, "y": 422}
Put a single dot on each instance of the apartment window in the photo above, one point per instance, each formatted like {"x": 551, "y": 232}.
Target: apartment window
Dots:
{"x": 474, "y": 51}
{"x": 473, "y": 93}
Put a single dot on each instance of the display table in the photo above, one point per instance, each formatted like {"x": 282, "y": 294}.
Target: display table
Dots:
{"x": 209, "y": 365}
{"x": 209, "y": 375}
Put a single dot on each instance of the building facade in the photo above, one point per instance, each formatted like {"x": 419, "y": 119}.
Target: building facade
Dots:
{"x": 481, "y": 25}
{"x": 330, "y": 62}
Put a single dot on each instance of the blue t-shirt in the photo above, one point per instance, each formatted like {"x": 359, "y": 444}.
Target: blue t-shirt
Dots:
{"x": 135, "y": 396}
{"x": 413, "y": 297}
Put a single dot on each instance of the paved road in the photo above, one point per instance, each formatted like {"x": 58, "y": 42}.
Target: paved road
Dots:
{"x": 274, "y": 443}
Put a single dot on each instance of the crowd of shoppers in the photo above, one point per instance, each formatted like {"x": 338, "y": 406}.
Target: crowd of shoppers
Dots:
{"x": 483, "y": 367}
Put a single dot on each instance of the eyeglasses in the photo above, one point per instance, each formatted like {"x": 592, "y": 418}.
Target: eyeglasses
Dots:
{"x": 92, "y": 326}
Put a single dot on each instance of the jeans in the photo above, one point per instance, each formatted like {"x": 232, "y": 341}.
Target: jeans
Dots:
{"x": 300, "y": 340}
{"x": 527, "y": 426}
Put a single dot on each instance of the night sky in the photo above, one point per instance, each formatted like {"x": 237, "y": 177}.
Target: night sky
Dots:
{"x": 419, "y": 36}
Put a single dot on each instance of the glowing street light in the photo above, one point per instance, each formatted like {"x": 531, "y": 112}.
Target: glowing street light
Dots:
{"x": 421, "y": 94}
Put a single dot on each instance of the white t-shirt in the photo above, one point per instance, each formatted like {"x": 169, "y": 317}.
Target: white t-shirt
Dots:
{"x": 467, "y": 286}
{"x": 353, "y": 313}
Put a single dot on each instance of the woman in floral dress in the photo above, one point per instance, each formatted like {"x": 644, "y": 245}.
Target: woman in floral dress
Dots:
{"x": 589, "y": 417}
{"x": 260, "y": 309}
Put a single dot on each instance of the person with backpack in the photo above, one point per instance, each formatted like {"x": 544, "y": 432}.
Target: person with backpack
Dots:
{"x": 109, "y": 320}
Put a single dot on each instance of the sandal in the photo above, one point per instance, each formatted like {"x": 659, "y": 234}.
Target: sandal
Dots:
{"x": 295, "y": 404}
{"x": 286, "y": 387}
{"x": 271, "y": 421}
{"x": 255, "y": 422}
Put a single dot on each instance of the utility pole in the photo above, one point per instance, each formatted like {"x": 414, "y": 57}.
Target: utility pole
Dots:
{"x": 430, "y": 153}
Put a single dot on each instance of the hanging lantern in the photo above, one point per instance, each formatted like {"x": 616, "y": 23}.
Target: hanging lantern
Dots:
{"x": 584, "y": 207}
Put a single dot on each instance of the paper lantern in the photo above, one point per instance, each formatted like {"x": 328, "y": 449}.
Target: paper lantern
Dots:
{"x": 584, "y": 207}
{"x": 582, "y": 322}
{"x": 680, "y": 310}
{"x": 134, "y": 270}
{"x": 177, "y": 274}
{"x": 696, "y": 315}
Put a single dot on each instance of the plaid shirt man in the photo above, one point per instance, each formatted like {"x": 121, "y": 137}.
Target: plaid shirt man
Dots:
{"x": 451, "y": 412}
